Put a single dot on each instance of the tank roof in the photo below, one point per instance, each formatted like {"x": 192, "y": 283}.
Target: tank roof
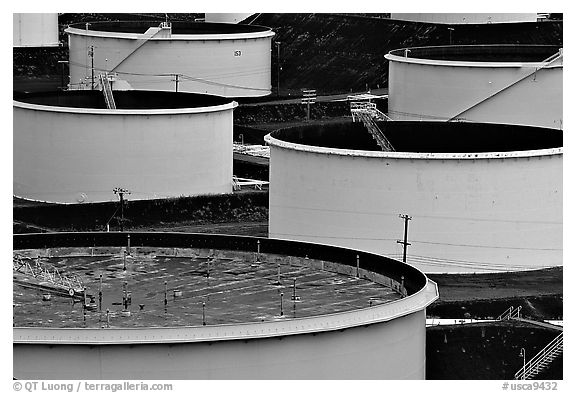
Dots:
{"x": 480, "y": 53}
{"x": 187, "y": 28}
{"x": 124, "y": 99}
{"x": 425, "y": 137}
{"x": 213, "y": 278}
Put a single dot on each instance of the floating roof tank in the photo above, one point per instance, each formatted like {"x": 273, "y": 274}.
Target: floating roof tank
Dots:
{"x": 354, "y": 315}
{"x": 35, "y": 30}
{"x": 215, "y": 58}
{"x": 69, "y": 148}
{"x": 482, "y": 197}
{"x": 513, "y": 84}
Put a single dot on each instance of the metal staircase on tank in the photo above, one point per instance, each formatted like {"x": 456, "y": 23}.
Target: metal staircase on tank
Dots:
{"x": 368, "y": 114}
{"x": 510, "y": 313}
{"x": 107, "y": 90}
{"x": 546, "y": 63}
{"x": 542, "y": 360}
{"x": 36, "y": 274}
{"x": 165, "y": 29}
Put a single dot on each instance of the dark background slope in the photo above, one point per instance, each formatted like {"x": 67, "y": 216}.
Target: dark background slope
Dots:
{"x": 338, "y": 53}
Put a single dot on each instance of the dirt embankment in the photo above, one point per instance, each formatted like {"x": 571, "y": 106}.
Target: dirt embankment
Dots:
{"x": 485, "y": 296}
{"x": 246, "y": 206}
{"x": 485, "y": 351}
{"x": 336, "y": 52}
{"x": 281, "y": 113}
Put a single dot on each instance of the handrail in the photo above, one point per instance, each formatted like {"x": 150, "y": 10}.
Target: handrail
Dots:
{"x": 510, "y": 313}
{"x": 505, "y": 314}
{"x": 107, "y": 90}
{"x": 367, "y": 112}
{"x": 549, "y": 352}
{"x": 43, "y": 272}
{"x": 147, "y": 36}
{"x": 545, "y": 63}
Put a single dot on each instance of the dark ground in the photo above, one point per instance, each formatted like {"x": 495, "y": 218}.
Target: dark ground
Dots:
{"x": 485, "y": 351}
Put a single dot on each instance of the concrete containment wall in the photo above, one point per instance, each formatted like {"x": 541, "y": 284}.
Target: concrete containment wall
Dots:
{"x": 223, "y": 59}
{"x": 464, "y": 18}
{"x": 384, "y": 341}
{"x": 30, "y": 29}
{"x": 73, "y": 155}
{"x": 471, "y": 212}
{"x": 480, "y": 84}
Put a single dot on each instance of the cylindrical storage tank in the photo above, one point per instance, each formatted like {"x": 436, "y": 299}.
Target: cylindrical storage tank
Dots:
{"x": 34, "y": 29}
{"x": 466, "y": 18}
{"x": 226, "y": 17}
{"x": 481, "y": 197}
{"x": 481, "y": 83}
{"x": 215, "y": 58}
{"x": 69, "y": 148}
{"x": 335, "y": 330}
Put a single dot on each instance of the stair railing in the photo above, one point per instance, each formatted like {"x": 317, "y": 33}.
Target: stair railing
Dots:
{"x": 542, "y": 359}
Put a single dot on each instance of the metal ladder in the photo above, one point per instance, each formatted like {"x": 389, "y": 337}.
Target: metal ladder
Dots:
{"x": 542, "y": 360}
{"x": 367, "y": 113}
{"x": 107, "y": 90}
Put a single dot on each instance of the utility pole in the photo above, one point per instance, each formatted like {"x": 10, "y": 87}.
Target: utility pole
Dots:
{"x": 279, "y": 68}
{"x": 121, "y": 191}
{"x": 406, "y": 218}
{"x": 62, "y": 73}
{"x": 177, "y": 76}
{"x": 91, "y": 54}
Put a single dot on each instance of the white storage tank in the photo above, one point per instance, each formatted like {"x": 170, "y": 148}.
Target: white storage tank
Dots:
{"x": 482, "y": 197}
{"x": 513, "y": 84}
{"x": 348, "y": 320}
{"x": 69, "y": 148}
{"x": 466, "y": 18}
{"x": 227, "y": 17}
{"x": 215, "y": 58}
{"x": 35, "y": 29}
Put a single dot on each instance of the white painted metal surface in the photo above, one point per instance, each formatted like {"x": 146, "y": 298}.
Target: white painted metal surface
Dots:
{"x": 466, "y": 18}
{"x": 476, "y": 212}
{"x": 523, "y": 93}
{"x": 389, "y": 350}
{"x": 226, "y": 17}
{"x": 226, "y": 64}
{"x": 35, "y": 29}
{"x": 381, "y": 342}
{"x": 73, "y": 155}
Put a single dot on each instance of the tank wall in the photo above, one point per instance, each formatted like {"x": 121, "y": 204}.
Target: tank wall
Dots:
{"x": 226, "y": 17}
{"x": 390, "y": 350}
{"x": 74, "y": 157}
{"x": 467, "y": 215}
{"x": 462, "y": 18}
{"x": 439, "y": 92}
{"x": 34, "y": 29}
{"x": 233, "y": 68}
